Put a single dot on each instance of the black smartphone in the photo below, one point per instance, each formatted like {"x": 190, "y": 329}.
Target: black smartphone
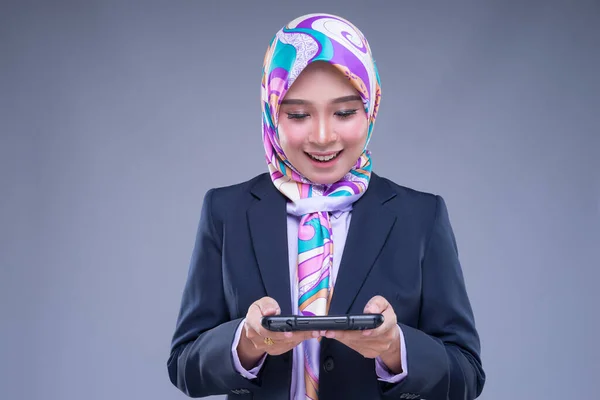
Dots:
{"x": 291, "y": 323}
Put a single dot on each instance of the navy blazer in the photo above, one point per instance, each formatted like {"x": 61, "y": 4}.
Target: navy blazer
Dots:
{"x": 400, "y": 245}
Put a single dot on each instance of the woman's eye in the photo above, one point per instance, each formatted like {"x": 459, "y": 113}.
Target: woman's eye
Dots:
{"x": 346, "y": 113}
{"x": 297, "y": 115}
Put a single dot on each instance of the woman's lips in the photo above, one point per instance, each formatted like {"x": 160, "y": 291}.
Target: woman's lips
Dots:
{"x": 324, "y": 159}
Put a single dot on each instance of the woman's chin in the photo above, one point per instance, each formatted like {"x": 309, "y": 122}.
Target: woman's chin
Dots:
{"x": 322, "y": 178}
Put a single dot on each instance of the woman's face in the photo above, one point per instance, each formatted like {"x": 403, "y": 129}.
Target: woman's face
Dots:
{"x": 322, "y": 124}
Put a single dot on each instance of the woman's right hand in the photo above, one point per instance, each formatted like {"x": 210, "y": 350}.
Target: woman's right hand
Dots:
{"x": 253, "y": 342}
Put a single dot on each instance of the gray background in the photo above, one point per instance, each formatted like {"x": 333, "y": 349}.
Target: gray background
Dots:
{"x": 117, "y": 116}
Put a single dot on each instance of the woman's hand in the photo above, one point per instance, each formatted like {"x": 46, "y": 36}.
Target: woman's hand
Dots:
{"x": 254, "y": 342}
{"x": 383, "y": 342}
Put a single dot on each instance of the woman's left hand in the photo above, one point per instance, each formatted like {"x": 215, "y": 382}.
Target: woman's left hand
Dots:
{"x": 383, "y": 342}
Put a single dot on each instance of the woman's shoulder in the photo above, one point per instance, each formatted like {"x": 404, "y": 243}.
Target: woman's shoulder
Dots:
{"x": 242, "y": 186}
{"x": 403, "y": 190}
{"x": 406, "y": 199}
{"x": 236, "y": 195}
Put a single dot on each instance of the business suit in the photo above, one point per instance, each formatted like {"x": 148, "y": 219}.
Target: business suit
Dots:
{"x": 400, "y": 245}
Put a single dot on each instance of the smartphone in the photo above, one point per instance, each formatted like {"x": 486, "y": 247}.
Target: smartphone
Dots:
{"x": 292, "y": 323}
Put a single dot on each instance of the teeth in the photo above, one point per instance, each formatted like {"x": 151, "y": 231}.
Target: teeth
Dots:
{"x": 324, "y": 158}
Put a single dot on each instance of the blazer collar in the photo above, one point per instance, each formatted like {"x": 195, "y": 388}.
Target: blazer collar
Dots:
{"x": 370, "y": 225}
{"x": 267, "y": 219}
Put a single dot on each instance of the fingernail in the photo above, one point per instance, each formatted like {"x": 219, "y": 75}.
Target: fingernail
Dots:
{"x": 287, "y": 334}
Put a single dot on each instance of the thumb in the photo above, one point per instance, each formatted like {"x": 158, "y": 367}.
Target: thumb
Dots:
{"x": 376, "y": 305}
{"x": 268, "y": 306}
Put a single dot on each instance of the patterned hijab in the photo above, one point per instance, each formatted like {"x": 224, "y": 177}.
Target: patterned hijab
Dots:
{"x": 316, "y": 37}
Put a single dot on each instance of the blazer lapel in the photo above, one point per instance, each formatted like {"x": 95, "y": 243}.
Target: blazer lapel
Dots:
{"x": 370, "y": 225}
{"x": 267, "y": 219}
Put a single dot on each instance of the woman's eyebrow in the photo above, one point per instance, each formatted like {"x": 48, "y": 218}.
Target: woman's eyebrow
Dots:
{"x": 346, "y": 99}
{"x": 343, "y": 99}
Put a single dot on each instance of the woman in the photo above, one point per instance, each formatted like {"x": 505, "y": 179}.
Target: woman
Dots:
{"x": 320, "y": 233}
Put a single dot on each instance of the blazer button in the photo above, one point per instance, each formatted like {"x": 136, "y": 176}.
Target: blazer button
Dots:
{"x": 329, "y": 364}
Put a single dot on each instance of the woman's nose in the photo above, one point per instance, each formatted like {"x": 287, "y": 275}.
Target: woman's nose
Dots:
{"x": 323, "y": 133}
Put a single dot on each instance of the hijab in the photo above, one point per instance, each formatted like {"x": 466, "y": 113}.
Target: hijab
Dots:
{"x": 306, "y": 39}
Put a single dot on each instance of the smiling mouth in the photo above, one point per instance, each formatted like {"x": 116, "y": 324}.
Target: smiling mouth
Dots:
{"x": 324, "y": 158}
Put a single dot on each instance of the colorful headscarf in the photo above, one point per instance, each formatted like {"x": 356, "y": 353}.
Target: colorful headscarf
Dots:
{"x": 316, "y": 37}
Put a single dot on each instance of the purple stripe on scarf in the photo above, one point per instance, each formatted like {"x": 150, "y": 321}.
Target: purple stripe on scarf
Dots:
{"x": 341, "y": 55}
{"x": 346, "y": 184}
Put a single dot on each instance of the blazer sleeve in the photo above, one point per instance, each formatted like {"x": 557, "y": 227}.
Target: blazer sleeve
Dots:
{"x": 443, "y": 352}
{"x": 200, "y": 361}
